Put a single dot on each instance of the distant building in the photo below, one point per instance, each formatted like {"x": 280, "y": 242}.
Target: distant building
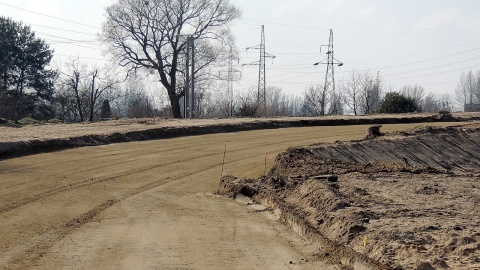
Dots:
{"x": 471, "y": 108}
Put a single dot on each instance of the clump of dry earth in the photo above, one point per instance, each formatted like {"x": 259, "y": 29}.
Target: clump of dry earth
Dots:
{"x": 408, "y": 200}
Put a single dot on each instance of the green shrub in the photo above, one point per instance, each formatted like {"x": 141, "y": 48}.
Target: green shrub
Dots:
{"x": 55, "y": 121}
{"x": 28, "y": 121}
{"x": 8, "y": 123}
{"x": 395, "y": 102}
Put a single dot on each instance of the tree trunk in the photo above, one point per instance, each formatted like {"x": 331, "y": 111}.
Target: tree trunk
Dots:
{"x": 172, "y": 94}
{"x": 76, "y": 82}
{"x": 79, "y": 105}
{"x": 175, "y": 103}
{"x": 92, "y": 96}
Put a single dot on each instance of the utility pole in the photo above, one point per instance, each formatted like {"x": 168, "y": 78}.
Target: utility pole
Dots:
{"x": 329, "y": 85}
{"x": 262, "y": 87}
{"x": 187, "y": 81}
{"x": 189, "y": 103}
{"x": 192, "y": 96}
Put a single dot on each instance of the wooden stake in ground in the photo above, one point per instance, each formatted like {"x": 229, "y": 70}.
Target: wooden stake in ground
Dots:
{"x": 223, "y": 162}
{"x": 265, "y": 165}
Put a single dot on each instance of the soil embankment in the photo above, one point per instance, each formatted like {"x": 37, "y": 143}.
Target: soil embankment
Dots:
{"x": 409, "y": 200}
{"x": 45, "y": 138}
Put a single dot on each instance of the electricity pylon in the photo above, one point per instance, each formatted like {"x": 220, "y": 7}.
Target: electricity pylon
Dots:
{"x": 329, "y": 85}
{"x": 262, "y": 85}
{"x": 230, "y": 78}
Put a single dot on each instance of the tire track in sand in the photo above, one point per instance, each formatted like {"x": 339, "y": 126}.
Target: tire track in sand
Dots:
{"x": 92, "y": 181}
{"x": 36, "y": 249}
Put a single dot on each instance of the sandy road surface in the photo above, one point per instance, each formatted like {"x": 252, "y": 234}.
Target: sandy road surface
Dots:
{"x": 148, "y": 205}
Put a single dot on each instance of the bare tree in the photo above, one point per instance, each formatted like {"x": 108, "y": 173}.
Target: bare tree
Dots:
{"x": 336, "y": 104}
{"x": 64, "y": 105}
{"x": 150, "y": 35}
{"x": 72, "y": 76}
{"x": 272, "y": 96}
{"x": 416, "y": 92}
{"x": 445, "y": 102}
{"x": 316, "y": 100}
{"x": 360, "y": 92}
{"x": 351, "y": 89}
{"x": 468, "y": 90}
{"x": 429, "y": 103}
{"x": 370, "y": 93}
{"x": 98, "y": 86}
{"x": 289, "y": 105}
{"x": 247, "y": 103}
{"x": 226, "y": 102}
{"x": 85, "y": 86}
{"x": 134, "y": 99}
{"x": 477, "y": 91}
{"x": 204, "y": 105}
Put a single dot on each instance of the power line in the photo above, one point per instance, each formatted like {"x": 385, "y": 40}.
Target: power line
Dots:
{"x": 436, "y": 73}
{"x": 431, "y": 59}
{"x": 66, "y": 30}
{"x": 402, "y": 65}
{"x": 297, "y": 39}
{"x": 295, "y": 53}
{"x": 284, "y": 24}
{"x": 416, "y": 53}
{"x": 440, "y": 83}
{"x": 72, "y": 41}
{"x": 412, "y": 71}
{"x": 410, "y": 32}
{"x": 89, "y": 58}
{"x": 49, "y": 16}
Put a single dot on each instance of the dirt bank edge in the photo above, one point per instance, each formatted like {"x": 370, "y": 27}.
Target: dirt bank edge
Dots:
{"x": 378, "y": 189}
{"x": 28, "y": 147}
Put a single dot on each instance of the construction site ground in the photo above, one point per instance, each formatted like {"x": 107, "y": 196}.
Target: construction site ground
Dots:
{"x": 407, "y": 200}
{"x": 151, "y": 204}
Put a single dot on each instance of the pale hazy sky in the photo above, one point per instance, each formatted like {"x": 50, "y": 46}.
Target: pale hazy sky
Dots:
{"x": 425, "y": 42}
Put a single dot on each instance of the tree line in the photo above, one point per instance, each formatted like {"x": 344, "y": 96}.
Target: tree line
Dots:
{"x": 147, "y": 41}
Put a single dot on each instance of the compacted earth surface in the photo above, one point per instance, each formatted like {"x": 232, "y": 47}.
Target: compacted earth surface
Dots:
{"x": 150, "y": 204}
{"x": 406, "y": 200}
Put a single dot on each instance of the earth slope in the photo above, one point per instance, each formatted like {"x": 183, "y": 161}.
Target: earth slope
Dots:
{"x": 408, "y": 200}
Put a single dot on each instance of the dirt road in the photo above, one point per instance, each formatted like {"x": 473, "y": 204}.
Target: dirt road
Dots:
{"x": 148, "y": 205}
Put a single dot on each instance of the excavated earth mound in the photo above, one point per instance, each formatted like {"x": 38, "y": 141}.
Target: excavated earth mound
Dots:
{"x": 32, "y": 139}
{"x": 409, "y": 200}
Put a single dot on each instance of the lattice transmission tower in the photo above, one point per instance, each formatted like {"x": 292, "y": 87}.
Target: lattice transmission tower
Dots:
{"x": 262, "y": 83}
{"x": 329, "y": 85}
{"x": 231, "y": 76}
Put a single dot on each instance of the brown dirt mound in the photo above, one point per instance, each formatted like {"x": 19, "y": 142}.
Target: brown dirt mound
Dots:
{"x": 407, "y": 200}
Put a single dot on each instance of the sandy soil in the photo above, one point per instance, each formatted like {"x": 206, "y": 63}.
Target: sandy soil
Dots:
{"x": 149, "y": 205}
{"x": 409, "y": 200}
